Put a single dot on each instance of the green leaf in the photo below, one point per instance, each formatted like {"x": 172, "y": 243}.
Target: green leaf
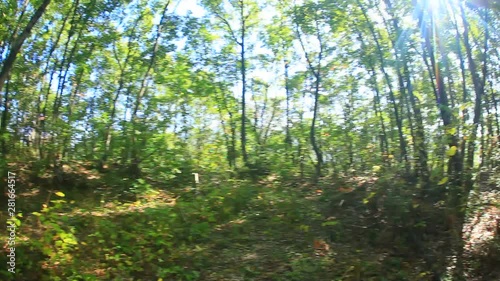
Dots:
{"x": 16, "y": 221}
{"x": 418, "y": 96}
{"x": 451, "y": 131}
{"x": 370, "y": 196}
{"x": 451, "y": 151}
{"x": 330, "y": 223}
{"x": 60, "y": 194}
{"x": 443, "y": 181}
{"x": 304, "y": 228}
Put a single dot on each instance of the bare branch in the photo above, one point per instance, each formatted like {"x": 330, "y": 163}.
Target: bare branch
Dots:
{"x": 228, "y": 25}
{"x": 306, "y": 54}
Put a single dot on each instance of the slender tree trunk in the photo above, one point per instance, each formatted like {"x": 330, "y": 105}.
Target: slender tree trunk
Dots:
{"x": 404, "y": 77}
{"x": 74, "y": 93}
{"x": 231, "y": 144}
{"x": 66, "y": 61}
{"x": 5, "y": 120}
{"x": 53, "y": 156}
{"x": 479, "y": 91}
{"x": 465, "y": 94}
{"x": 316, "y": 71}
{"x": 392, "y": 98}
{"x": 495, "y": 100}
{"x": 455, "y": 165}
{"x": 227, "y": 140}
{"x": 269, "y": 124}
{"x": 347, "y": 132}
{"x": 121, "y": 84}
{"x": 257, "y": 129}
{"x": 300, "y": 153}
{"x": 243, "y": 84}
{"x": 135, "y": 161}
{"x": 39, "y": 123}
{"x": 420, "y": 147}
{"x": 384, "y": 144}
{"x": 312, "y": 132}
{"x": 288, "y": 137}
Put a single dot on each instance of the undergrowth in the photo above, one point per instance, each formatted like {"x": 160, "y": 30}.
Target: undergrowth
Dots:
{"x": 357, "y": 228}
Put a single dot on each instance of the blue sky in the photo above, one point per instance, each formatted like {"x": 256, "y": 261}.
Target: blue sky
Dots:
{"x": 182, "y": 7}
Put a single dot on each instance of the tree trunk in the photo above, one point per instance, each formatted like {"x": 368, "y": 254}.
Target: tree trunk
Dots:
{"x": 316, "y": 71}
{"x": 244, "y": 85}
{"x": 392, "y": 98}
{"x": 121, "y": 84}
{"x": 135, "y": 160}
{"x": 5, "y": 120}
{"x": 288, "y": 137}
{"x": 384, "y": 144}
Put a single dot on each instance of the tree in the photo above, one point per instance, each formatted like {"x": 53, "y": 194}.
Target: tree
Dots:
{"x": 245, "y": 13}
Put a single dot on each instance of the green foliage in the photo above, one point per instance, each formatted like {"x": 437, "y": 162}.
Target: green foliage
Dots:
{"x": 58, "y": 242}
{"x": 302, "y": 268}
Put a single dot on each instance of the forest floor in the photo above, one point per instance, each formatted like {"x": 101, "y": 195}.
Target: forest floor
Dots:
{"x": 227, "y": 230}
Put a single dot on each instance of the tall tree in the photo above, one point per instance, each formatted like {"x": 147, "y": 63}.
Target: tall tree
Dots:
{"x": 244, "y": 13}
{"x": 305, "y": 24}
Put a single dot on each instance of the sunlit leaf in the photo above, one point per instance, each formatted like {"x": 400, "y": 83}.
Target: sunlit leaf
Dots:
{"x": 304, "y": 228}
{"x": 370, "y": 196}
{"x": 60, "y": 194}
{"x": 330, "y": 223}
{"x": 451, "y": 151}
{"x": 443, "y": 181}
{"x": 418, "y": 96}
{"x": 16, "y": 221}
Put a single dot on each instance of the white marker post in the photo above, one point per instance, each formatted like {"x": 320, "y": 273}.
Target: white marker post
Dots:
{"x": 196, "y": 181}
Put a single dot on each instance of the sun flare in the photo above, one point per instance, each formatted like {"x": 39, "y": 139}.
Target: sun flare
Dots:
{"x": 434, "y": 5}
